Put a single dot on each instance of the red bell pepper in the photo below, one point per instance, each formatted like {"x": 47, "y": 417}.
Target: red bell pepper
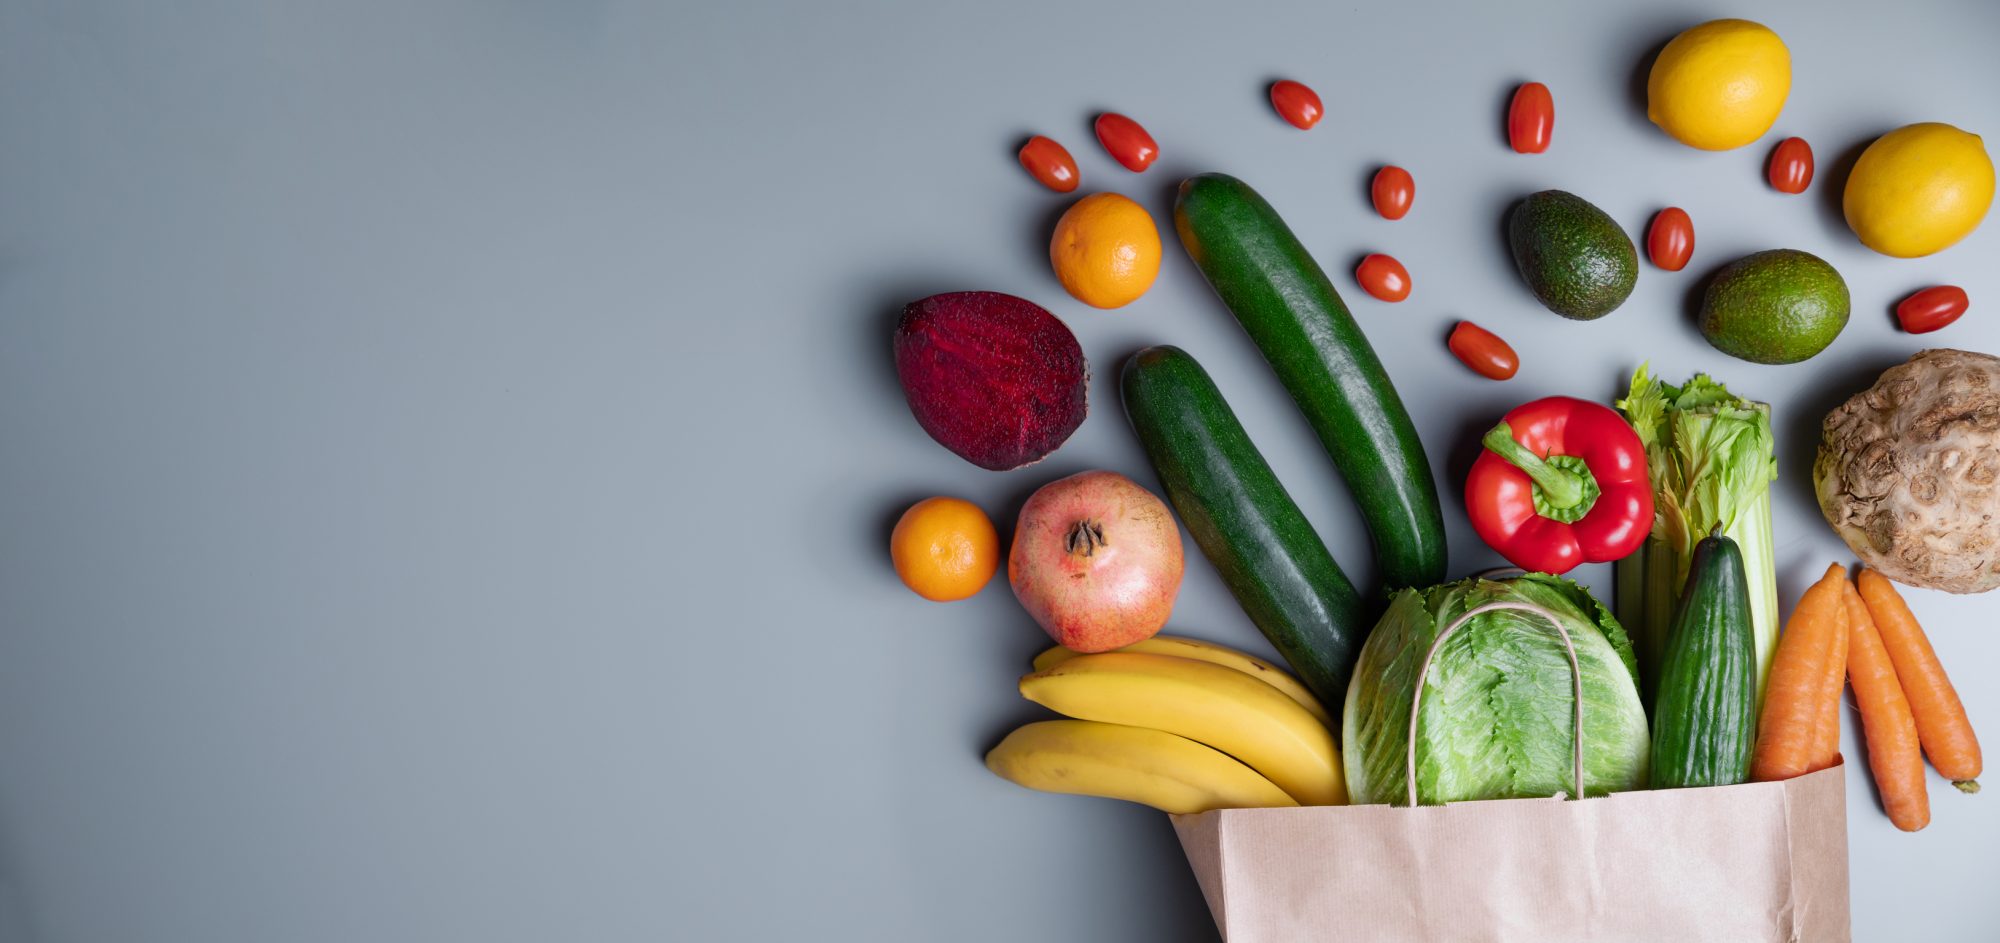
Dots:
{"x": 1561, "y": 481}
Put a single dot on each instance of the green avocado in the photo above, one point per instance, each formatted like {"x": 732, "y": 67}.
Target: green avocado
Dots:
{"x": 1775, "y": 306}
{"x": 1574, "y": 257}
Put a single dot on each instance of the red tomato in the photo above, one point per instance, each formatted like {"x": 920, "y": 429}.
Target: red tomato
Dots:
{"x": 1670, "y": 240}
{"x": 1932, "y": 308}
{"x": 1050, "y": 163}
{"x": 1383, "y": 277}
{"x": 1791, "y": 166}
{"x": 1531, "y": 119}
{"x": 1296, "y": 104}
{"x": 1483, "y": 351}
{"x": 1393, "y": 191}
{"x": 1126, "y": 142}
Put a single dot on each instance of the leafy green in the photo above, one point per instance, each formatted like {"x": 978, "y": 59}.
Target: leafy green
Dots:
{"x": 1712, "y": 457}
{"x": 1711, "y": 454}
{"x": 1496, "y": 720}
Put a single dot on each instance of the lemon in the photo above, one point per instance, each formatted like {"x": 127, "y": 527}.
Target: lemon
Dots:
{"x": 1719, "y": 85}
{"x": 1918, "y": 189}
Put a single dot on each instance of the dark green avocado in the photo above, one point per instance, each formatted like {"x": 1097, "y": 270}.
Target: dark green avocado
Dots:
{"x": 1574, "y": 257}
{"x": 1775, "y": 306}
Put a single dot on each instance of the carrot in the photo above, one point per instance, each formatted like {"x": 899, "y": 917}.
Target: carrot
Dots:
{"x": 1826, "y": 727}
{"x": 1787, "y": 735}
{"x": 1942, "y": 726}
{"x": 1893, "y": 747}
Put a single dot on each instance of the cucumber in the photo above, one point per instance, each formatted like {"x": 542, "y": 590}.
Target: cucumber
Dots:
{"x": 1244, "y": 522}
{"x": 1704, "y": 716}
{"x": 1291, "y": 311}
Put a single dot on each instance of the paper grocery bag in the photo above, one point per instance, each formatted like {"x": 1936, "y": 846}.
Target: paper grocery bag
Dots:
{"x": 1743, "y": 864}
{"x": 1754, "y": 863}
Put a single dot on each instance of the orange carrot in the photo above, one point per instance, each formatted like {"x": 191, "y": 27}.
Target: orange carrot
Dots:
{"x": 1942, "y": 726}
{"x": 1826, "y": 727}
{"x": 1894, "y": 753}
{"x": 1787, "y": 735}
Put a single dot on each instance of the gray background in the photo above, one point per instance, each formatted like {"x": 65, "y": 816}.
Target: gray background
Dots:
{"x": 449, "y": 447}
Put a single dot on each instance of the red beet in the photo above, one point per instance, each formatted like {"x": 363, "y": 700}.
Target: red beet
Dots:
{"x": 994, "y": 378}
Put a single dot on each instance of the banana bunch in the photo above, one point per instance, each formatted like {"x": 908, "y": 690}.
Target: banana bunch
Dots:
{"x": 1178, "y": 724}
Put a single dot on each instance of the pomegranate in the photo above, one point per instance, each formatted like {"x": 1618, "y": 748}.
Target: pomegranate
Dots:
{"x": 1096, "y": 560}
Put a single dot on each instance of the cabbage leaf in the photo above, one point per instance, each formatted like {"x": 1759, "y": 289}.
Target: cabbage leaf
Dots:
{"x": 1497, "y": 717}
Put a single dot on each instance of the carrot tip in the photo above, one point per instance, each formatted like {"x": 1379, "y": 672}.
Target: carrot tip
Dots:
{"x": 1968, "y": 786}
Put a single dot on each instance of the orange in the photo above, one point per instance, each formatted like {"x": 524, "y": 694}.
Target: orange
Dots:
{"x": 944, "y": 549}
{"x": 1106, "y": 250}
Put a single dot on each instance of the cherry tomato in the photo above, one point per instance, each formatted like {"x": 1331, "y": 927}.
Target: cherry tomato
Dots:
{"x": 1050, "y": 163}
{"x": 1126, "y": 142}
{"x": 1791, "y": 166}
{"x": 1296, "y": 104}
{"x": 1483, "y": 351}
{"x": 1670, "y": 240}
{"x": 1932, "y": 308}
{"x": 1531, "y": 119}
{"x": 1383, "y": 277}
{"x": 1393, "y": 191}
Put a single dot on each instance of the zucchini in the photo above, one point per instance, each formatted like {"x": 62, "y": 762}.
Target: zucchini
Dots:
{"x": 1704, "y": 716}
{"x": 1290, "y": 309}
{"x": 1267, "y": 552}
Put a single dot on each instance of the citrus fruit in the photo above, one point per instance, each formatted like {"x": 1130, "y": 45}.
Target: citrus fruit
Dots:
{"x": 1918, "y": 189}
{"x": 944, "y": 549}
{"x": 1719, "y": 85}
{"x": 1106, "y": 250}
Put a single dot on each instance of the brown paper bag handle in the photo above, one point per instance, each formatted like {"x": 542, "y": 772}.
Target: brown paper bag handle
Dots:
{"x": 1423, "y": 678}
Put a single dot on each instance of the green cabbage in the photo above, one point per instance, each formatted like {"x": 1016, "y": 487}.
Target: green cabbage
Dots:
{"x": 1498, "y": 711}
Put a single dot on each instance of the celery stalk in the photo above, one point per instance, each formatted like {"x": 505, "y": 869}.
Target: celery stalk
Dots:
{"x": 1712, "y": 457}
{"x": 1752, "y": 532}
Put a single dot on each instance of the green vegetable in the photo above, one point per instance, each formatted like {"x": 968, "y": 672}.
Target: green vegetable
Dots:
{"x": 1290, "y": 309}
{"x": 1242, "y": 519}
{"x": 1496, "y": 720}
{"x": 1705, "y": 720}
{"x": 1712, "y": 458}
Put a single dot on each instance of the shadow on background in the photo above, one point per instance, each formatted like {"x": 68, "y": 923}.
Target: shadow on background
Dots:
{"x": 1798, "y": 433}
{"x": 1830, "y": 184}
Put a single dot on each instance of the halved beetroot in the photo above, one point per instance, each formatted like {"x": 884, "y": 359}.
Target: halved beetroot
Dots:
{"x": 992, "y": 377}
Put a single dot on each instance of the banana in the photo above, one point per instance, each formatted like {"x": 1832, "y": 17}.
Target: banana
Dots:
{"x": 1214, "y": 654}
{"x": 1169, "y": 773}
{"x": 1207, "y": 703}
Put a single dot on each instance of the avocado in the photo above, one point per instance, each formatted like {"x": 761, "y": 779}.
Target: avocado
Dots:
{"x": 1574, "y": 257}
{"x": 1775, "y": 306}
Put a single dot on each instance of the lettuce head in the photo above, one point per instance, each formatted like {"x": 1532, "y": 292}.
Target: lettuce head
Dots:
{"x": 1498, "y": 711}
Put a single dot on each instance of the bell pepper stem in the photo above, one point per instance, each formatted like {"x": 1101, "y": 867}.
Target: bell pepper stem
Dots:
{"x": 1560, "y": 488}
